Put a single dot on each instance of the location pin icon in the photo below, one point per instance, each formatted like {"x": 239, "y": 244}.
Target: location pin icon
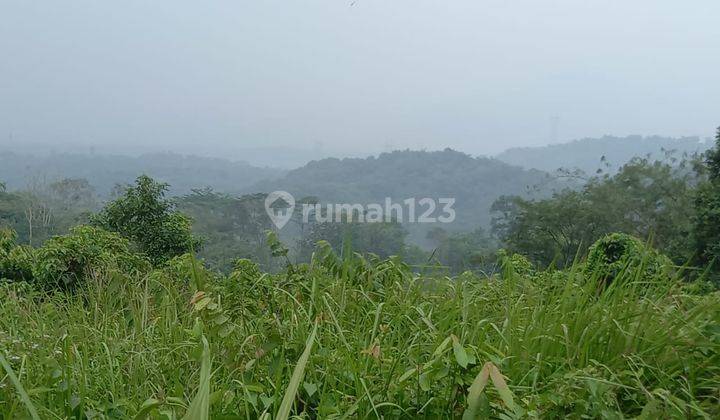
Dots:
{"x": 279, "y": 206}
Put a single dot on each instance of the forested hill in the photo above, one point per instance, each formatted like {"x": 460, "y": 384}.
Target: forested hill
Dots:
{"x": 183, "y": 173}
{"x": 475, "y": 182}
{"x": 586, "y": 154}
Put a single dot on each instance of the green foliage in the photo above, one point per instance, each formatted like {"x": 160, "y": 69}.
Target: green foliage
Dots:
{"x": 713, "y": 159}
{"x": 183, "y": 269}
{"x": 69, "y": 261}
{"x": 18, "y": 386}
{"x": 360, "y": 338}
{"x": 619, "y": 252}
{"x": 515, "y": 264}
{"x": 230, "y": 227}
{"x": 707, "y": 217}
{"x": 644, "y": 199}
{"x": 16, "y": 262}
{"x": 707, "y": 224}
{"x": 359, "y": 334}
{"x": 475, "y": 182}
{"x": 380, "y": 238}
{"x": 144, "y": 216}
{"x": 549, "y": 231}
{"x": 277, "y": 248}
{"x": 7, "y": 239}
{"x": 46, "y": 210}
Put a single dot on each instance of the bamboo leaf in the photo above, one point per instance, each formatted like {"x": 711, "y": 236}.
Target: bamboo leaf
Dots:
{"x": 475, "y": 393}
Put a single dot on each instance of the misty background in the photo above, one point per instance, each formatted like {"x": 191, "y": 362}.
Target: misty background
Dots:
{"x": 279, "y": 83}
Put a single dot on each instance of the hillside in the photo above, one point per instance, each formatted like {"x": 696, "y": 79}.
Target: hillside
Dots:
{"x": 475, "y": 182}
{"x": 585, "y": 154}
{"x": 183, "y": 173}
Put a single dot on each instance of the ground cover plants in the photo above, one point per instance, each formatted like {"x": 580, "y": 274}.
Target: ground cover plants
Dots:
{"x": 356, "y": 337}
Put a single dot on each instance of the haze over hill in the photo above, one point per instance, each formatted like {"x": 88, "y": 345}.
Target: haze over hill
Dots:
{"x": 407, "y": 173}
{"x": 475, "y": 182}
{"x": 586, "y": 154}
{"x": 183, "y": 173}
{"x": 353, "y": 76}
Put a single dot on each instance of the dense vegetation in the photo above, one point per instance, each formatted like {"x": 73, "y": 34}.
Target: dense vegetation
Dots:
{"x": 167, "y": 307}
{"x": 673, "y": 204}
{"x": 357, "y": 337}
{"x": 646, "y": 199}
{"x": 474, "y": 182}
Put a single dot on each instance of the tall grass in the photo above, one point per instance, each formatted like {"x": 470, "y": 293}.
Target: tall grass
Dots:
{"x": 354, "y": 338}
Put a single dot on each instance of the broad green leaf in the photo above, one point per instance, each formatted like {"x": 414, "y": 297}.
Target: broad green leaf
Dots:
{"x": 460, "y": 355}
{"x": 310, "y": 388}
{"x": 475, "y": 393}
{"x": 149, "y": 405}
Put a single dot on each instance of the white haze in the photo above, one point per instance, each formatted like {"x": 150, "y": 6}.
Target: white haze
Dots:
{"x": 295, "y": 79}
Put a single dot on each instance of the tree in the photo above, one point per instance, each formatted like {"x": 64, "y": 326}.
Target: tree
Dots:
{"x": 149, "y": 220}
{"x": 706, "y": 228}
{"x": 644, "y": 199}
{"x": 548, "y": 231}
{"x": 231, "y": 227}
{"x": 73, "y": 193}
{"x": 713, "y": 159}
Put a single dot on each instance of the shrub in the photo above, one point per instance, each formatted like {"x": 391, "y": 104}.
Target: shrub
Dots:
{"x": 242, "y": 284}
{"x": 64, "y": 262}
{"x": 16, "y": 262}
{"x": 515, "y": 263}
{"x": 616, "y": 252}
{"x": 7, "y": 240}
{"x": 183, "y": 271}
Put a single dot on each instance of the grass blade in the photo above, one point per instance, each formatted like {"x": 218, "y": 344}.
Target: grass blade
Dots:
{"x": 19, "y": 388}
{"x": 200, "y": 405}
{"x": 297, "y": 377}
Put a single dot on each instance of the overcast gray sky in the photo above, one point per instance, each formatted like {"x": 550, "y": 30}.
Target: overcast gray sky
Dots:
{"x": 357, "y": 77}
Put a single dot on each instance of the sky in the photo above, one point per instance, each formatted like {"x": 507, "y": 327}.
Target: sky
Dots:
{"x": 342, "y": 77}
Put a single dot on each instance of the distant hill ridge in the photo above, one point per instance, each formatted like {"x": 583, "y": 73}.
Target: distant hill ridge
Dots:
{"x": 183, "y": 173}
{"x": 585, "y": 154}
{"x": 475, "y": 182}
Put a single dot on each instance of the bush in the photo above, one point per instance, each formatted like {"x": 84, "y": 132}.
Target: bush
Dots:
{"x": 515, "y": 264}
{"x": 16, "y": 262}
{"x": 7, "y": 240}
{"x": 64, "y": 262}
{"x": 184, "y": 271}
{"x": 616, "y": 252}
